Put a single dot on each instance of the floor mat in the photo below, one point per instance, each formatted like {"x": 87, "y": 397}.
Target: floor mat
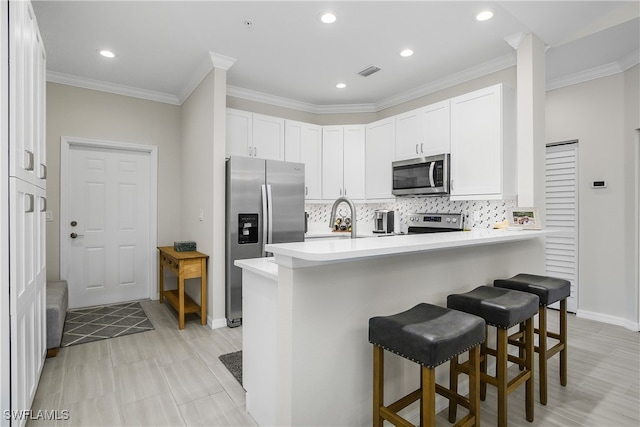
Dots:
{"x": 84, "y": 325}
{"x": 233, "y": 362}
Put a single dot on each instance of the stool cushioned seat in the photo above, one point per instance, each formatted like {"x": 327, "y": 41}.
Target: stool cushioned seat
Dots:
{"x": 548, "y": 289}
{"x": 427, "y": 334}
{"x": 498, "y": 307}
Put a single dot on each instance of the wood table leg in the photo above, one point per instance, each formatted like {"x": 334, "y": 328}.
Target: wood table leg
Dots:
{"x": 180, "y": 302}
{"x": 203, "y": 292}
{"x": 161, "y": 277}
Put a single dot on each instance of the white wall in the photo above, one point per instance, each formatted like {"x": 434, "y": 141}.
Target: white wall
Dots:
{"x": 203, "y": 150}
{"x": 602, "y": 114}
{"x": 84, "y": 113}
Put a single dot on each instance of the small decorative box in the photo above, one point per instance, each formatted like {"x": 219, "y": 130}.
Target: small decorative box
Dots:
{"x": 184, "y": 246}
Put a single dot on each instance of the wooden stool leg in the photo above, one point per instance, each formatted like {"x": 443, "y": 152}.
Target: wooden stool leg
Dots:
{"x": 521, "y": 348}
{"x": 483, "y": 364}
{"x": 542, "y": 352}
{"x": 563, "y": 340}
{"x": 529, "y": 366}
{"x": 501, "y": 376}
{"x": 378, "y": 384}
{"x": 428, "y": 400}
{"x": 453, "y": 386}
{"x": 474, "y": 385}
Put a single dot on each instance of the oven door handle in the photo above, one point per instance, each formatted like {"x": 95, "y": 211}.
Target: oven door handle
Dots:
{"x": 432, "y": 166}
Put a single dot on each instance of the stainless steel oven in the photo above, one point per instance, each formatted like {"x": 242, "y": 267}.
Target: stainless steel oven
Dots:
{"x": 422, "y": 223}
{"x": 422, "y": 176}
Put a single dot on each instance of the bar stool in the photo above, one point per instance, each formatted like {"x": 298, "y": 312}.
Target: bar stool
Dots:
{"x": 550, "y": 290}
{"x": 428, "y": 335}
{"x": 503, "y": 309}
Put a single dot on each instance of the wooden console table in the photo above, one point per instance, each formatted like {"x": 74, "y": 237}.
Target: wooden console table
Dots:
{"x": 186, "y": 265}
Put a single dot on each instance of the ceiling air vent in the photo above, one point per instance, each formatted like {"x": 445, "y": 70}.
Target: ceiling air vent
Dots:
{"x": 369, "y": 70}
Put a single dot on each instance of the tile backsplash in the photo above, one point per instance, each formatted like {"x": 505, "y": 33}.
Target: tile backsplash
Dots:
{"x": 489, "y": 211}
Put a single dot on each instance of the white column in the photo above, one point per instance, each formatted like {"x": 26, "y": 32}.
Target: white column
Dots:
{"x": 216, "y": 267}
{"x": 531, "y": 92}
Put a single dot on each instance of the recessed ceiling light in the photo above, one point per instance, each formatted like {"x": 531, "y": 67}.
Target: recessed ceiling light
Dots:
{"x": 341, "y": 85}
{"x": 107, "y": 54}
{"x": 406, "y": 52}
{"x": 328, "y": 18}
{"x": 485, "y": 15}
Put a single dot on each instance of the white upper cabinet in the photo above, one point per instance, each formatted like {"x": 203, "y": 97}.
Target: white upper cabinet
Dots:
{"x": 27, "y": 97}
{"x": 303, "y": 144}
{"x": 408, "y": 135}
{"x": 379, "y": 152}
{"x": 483, "y": 145}
{"x": 343, "y": 152}
{"x": 436, "y": 129}
{"x": 423, "y": 132}
{"x": 254, "y": 135}
{"x": 239, "y": 133}
{"x": 268, "y": 137}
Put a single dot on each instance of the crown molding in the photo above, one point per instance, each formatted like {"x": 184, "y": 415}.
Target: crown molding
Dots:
{"x": 489, "y": 67}
{"x": 213, "y": 60}
{"x": 265, "y": 98}
{"x": 457, "y": 78}
{"x": 83, "y": 82}
{"x": 596, "y": 72}
{"x": 221, "y": 61}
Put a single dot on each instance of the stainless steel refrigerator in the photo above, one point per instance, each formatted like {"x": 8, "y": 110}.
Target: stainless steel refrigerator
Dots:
{"x": 265, "y": 204}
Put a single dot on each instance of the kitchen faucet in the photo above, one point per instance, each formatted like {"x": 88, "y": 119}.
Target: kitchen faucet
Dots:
{"x": 348, "y": 201}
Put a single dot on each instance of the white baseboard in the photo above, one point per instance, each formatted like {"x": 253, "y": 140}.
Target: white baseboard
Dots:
{"x": 216, "y": 323}
{"x": 611, "y": 320}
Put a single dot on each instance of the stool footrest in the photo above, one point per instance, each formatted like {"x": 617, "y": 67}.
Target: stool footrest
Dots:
{"x": 405, "y": 401}
{"x": 394, "y": 418}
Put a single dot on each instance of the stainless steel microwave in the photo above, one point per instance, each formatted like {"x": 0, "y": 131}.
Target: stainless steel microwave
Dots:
{"x": 421, "y": 176}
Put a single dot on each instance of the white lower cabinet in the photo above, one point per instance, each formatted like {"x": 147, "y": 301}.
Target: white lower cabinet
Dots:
{"x": 483, "y": 145}
{"x": 343, "y": 162}
{"x": 303, "y": 144}
{"x": 379, "y": 152}
{"x": 28, "y": 294}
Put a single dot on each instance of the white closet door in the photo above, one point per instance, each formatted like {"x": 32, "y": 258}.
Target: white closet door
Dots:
{"x": 562, "y": 214}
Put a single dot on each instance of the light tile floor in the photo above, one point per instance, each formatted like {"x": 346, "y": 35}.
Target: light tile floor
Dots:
{"x": 164, "y": 377}
{"x": 168, "y": 377}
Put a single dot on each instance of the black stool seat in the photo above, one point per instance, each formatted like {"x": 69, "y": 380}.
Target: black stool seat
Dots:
{"x": 548, "y": 289}
{"x": 427, "y": 334}
{"x": 498, "y": 307}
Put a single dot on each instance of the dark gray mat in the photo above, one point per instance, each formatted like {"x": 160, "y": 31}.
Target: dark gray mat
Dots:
{"x": 89, "y": 324}
{"x": 233, "y": 363}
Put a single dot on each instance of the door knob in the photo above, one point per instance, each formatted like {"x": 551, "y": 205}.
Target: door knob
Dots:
{"x": 74, "y": 235}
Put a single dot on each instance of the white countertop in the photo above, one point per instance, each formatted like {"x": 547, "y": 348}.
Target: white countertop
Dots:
{"x": 265, "y": 267}
{"x": 342, "y": 250}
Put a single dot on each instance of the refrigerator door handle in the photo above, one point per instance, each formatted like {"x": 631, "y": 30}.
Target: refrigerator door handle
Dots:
{"x": 265, "y": 214}
{"x": 270, "y": 216}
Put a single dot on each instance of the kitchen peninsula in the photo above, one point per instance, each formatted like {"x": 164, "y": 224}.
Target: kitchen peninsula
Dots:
{"x": 306, "y": 355}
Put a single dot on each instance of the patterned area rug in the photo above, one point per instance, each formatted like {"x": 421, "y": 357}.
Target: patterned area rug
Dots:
{"x": 84, "y": 325}
{"x": 233, "y": 362}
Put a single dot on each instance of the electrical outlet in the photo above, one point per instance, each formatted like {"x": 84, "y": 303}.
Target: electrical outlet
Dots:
{"x": 201, "y": 216}
{"x": 48, "y": 216}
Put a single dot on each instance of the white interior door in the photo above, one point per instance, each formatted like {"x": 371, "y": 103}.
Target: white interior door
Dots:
{"x": 107, "y": 225}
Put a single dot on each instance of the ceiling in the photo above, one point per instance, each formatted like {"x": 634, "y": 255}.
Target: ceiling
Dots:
{"x": 283, "y": 52}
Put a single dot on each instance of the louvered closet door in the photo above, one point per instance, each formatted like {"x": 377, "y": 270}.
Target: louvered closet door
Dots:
{"x": 562, "y": 214}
